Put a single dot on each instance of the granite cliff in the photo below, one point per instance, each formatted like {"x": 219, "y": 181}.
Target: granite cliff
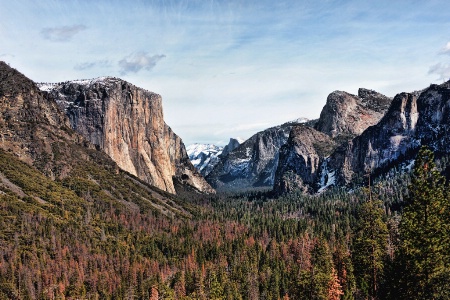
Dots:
{"x": 127, "y": 123}
{"x": 300, "y": 159}
{"x": 412, "y": 119}
{"x": 345, "y": 115}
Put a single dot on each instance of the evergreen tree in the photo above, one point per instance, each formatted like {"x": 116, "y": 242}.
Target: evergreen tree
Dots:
{"x": 370, "y": 247}
{"x": 424, "y": 233}
{"x": 314, "y": 283}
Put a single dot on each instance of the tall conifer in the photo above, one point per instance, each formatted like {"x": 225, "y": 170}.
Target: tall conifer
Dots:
{"x": 424, "y": 231}
{"x": 370, "y": 247}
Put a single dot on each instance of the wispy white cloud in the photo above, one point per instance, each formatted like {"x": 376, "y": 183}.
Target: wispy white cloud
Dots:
{"x": 445, "y": 49}
{"x": 61, "y": 33}
{"x": 138, "y": 61}
{"x": 443, "y": 70}
{"x": 92, "y": 64}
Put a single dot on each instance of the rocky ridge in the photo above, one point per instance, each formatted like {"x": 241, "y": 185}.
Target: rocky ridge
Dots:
{"x": 413, "y": 119}
{"x": 32, "y": 125}
{"x": 127, "y": 123}
{"x": 304, "y": 159}
{"x": 257, "y": 163}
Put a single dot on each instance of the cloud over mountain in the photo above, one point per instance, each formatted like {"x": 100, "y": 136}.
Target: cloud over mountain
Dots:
{"x": 137, "y": 61}
{"x": 443, "y": 70}
{"x": 92, "y": 64}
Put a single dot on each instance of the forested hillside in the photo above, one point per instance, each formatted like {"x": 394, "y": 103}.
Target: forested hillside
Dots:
{"x": 72, "y": 239}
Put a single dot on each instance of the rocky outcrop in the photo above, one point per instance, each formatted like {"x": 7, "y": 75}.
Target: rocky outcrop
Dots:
{"x": 346, "y": 115}
{"x": 127, "y": 123}
{"x": 300, "y": 159}
{"x": 413, "y": 119}
{"x": 253, "y": 163}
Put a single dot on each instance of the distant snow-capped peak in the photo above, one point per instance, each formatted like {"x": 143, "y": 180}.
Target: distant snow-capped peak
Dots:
{"x": 204, "y": 156}
{"x": 299, "y": 120}
{"x": 196, "y": 149}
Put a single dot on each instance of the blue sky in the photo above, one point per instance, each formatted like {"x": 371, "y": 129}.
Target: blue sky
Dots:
{"x": 232, "y": 68}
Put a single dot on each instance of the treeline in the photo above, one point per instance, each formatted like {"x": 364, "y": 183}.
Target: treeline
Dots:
{"x": 72, "y": 240}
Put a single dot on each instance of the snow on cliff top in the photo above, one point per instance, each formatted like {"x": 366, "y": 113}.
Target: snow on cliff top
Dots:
{"x": 48, "y": 86}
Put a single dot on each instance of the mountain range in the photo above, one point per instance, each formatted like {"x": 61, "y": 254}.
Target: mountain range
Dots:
{"x": 292, "y": 155}
{"x": 206, "y": 157}
{"x": 355, "y": 135}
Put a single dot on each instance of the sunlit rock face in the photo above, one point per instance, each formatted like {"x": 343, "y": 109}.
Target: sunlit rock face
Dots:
{"x": 127, "y": 123}
{"x": 349, "y": 115}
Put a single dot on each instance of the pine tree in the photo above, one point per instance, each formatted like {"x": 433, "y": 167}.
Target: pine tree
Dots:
{"x": 314, "y": 283}
{"x": 370, "y": 246}
{"x": 424, "y": 233}
{"x": 334, "y": 287}
{"x": 154, "y": 293}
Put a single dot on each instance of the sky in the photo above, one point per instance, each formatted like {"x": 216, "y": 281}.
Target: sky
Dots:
{"x": 232, "y": 68}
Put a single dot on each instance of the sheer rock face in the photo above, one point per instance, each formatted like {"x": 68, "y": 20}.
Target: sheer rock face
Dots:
{"x": 345, "y": 114}
{"x": 413, "y": 119}
{"x": 253, "y": 163}
{"x": 127, "y": 123}
{"x": 300, "y": 159}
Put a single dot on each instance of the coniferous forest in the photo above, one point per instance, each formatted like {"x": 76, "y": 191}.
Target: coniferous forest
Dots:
{"x": 70, "y": 240}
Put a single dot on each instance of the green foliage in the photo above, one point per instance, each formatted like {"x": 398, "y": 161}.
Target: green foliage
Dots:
{"x": 100, "y": 233}
{"x": 369, "y": 246}
{"x": 424, "y": 232}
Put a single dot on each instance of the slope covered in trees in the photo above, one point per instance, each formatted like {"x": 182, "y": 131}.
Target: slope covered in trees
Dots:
{"x": 74, "y": 226}
{"x": 71, "y": 239}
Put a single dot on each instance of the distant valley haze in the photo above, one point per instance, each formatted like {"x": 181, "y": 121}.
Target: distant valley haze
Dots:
{"x": 232, "y": 68}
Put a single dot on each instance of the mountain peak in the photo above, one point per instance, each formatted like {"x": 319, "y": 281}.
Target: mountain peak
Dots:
{"x": 374, "y": 100}
{"x": 232, "y": 144}
{"x": 345, "y": 114}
